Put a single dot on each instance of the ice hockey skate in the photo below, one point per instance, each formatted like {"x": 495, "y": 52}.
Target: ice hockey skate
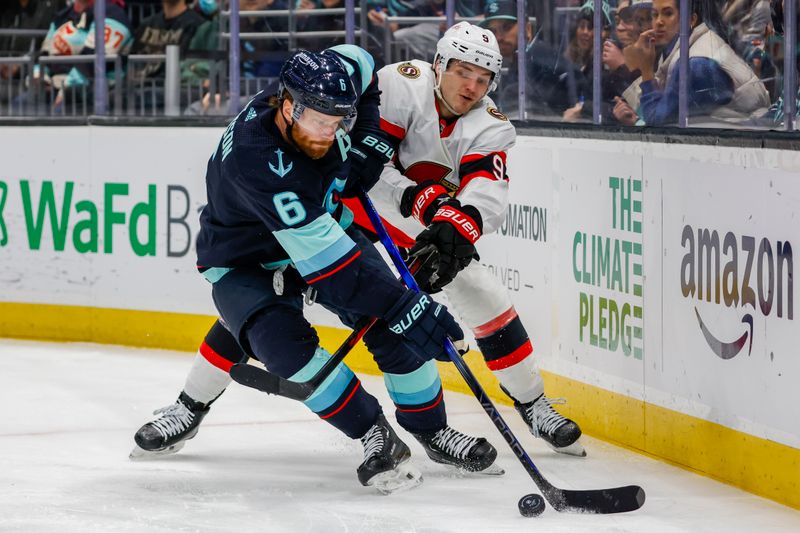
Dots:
{"x": 386, "y": 461}
{"x": 168, "y": 432}
{"x": 559, "y": 432}
{"x": 470, "y": 454}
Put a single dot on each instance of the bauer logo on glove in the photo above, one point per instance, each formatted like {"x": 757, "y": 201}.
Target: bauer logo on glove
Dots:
{"x": 465, "y": 225}
{"x": 411, "y": 317}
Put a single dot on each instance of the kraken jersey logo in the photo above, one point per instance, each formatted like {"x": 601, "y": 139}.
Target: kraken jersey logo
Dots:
{"x": 281, "y": 171}
{"x": 408, "y": 70}
{"x": 496, "y": 113}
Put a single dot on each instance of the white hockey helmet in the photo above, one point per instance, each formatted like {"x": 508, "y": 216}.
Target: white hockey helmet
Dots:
{"x": 471, "y": 44}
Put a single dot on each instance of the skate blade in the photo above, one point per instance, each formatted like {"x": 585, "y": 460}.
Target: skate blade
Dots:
{"x": 140, "y": 454}
{"x": 491, "y": 470}
{"x": 576, "y": 449}
{"x": 404, "y": 477}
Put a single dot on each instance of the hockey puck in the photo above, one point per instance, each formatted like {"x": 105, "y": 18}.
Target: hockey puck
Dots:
{"x": 531, "y": 505}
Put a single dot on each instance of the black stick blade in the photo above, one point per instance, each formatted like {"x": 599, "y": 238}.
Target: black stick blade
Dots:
{"x": 601, "y": 501}
{"x": 259, "y": 379}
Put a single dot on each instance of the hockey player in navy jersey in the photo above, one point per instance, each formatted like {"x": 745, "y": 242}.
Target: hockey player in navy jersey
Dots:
{"x": 274, "y": 185}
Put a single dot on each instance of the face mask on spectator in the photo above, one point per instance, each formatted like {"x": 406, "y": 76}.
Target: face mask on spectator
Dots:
{"x": 208, "y": 7}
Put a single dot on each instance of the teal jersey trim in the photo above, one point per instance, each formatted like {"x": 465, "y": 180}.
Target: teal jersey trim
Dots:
{"x": 364, "y": 60}
{"x": 215, "y": 274}
{"x": 275, "y": 265}
{"x": 316, "y": 245}
{"x": 346, "y": 220}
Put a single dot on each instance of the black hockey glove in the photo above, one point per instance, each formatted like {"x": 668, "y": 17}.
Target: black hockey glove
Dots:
{"x": 424, "y": 323}
{"x": 423, "y": 200}
{"x": 452, "y": 233}
{"x": 368, "y": 155}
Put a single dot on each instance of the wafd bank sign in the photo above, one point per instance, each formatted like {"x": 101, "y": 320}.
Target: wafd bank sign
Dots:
{"x": 56, "y": 214}
{"x": 107, "y": 219}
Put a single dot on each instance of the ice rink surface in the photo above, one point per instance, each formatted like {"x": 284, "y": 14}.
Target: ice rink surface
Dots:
{"x": 260, "y": 463}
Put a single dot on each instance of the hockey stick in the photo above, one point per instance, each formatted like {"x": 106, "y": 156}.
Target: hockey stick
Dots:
{"x": 260, "y": 379}
{"x": 600, "y": 501}
{"x": 265, "y": 381}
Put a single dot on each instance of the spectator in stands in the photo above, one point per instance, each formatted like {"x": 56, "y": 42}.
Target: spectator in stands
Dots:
{"x": 620, "y": 83}
{"x": 750, "y": 22}
{"x": 209, "y": 9}
{"x": 548, "y": 76}
{"x": 261, "y": 59}
{"x": 321, "y": 23}
{"x": 269, "y": 55}
{"x": 71, "y": 32}
{"x": 580, "y": 52}
{"x": 23, "y": 15}
{"x": 419, "y": 41}
{"x": 721, "y": 85}
{"x": 775, "y": 118}
{"x": 26, "y": 15}
{"x": 196, "y": 70}
{"x": 175, "y": 24}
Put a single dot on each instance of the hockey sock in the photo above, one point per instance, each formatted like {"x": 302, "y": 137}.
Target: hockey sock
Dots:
{"x": 209, "y": 376}
{"x": 340, "y": 400}
{"x": 508, "y": 353}
{"x": 418, "y": 397}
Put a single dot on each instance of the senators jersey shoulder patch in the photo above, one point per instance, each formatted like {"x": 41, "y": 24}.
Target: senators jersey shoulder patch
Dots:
{"x": 408, "y": 70}
{"x": 496, "y": 113}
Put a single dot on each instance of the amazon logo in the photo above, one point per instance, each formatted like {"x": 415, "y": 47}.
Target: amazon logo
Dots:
{"x": 756, "y": 275}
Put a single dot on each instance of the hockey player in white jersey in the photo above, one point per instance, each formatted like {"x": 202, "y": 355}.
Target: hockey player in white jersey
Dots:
{"x": 446, "y": 186}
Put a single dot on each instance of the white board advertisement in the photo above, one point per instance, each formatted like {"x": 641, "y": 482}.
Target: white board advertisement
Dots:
{"x": 660, "y": 272}
{"x": 730, "y": 327}
{"x": 600, "y": 262}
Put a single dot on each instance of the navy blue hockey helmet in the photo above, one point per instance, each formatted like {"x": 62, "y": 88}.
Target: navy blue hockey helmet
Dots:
{"x": 319, "y": 81}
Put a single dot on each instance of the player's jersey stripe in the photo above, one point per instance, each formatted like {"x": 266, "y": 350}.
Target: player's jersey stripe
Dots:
{"x": 326, "y": 257}
{"x": 331, "y": 271}
{"x": 322, "y": 244}
{"x": 478, "y": 174}
{"x": 393, "y": 129}
{"x": 471, "y": 157}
